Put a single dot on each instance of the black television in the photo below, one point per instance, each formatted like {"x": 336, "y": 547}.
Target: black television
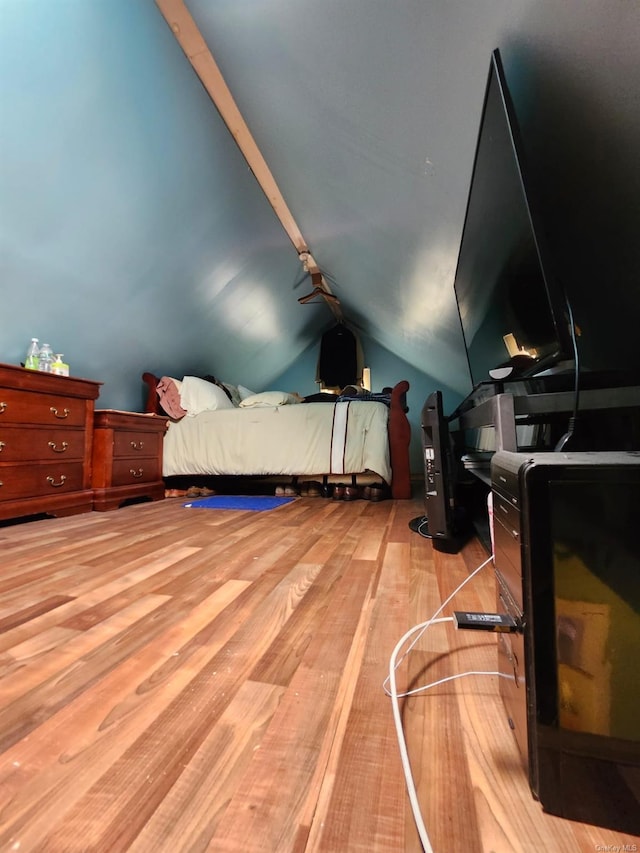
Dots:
{"x": 512, "y": 306}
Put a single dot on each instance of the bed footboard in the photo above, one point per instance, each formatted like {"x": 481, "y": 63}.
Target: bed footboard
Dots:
{"x": 399, "y": 438}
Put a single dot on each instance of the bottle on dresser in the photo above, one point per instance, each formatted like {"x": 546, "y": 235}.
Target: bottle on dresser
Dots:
{"x": 59, "y": 367}
{"x": 33, "y": 355}
{"x": 45, "y": 360}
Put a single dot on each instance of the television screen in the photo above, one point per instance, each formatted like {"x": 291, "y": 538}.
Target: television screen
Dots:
{"x": 509, "y": 303}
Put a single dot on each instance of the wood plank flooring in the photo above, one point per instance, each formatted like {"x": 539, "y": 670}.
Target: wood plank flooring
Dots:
{"x": 178, "y": 679}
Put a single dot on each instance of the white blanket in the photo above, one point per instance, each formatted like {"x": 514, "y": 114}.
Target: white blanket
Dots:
{"x": 294, "y": 439}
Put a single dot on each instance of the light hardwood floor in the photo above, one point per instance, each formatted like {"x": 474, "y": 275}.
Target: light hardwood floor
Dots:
{"x": 178, "y": 679}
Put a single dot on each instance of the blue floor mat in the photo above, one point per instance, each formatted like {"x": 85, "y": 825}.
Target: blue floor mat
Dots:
{"x": 252, "y": 503}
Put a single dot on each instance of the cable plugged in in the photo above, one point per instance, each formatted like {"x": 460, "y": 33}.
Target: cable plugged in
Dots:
{"x": 392, "y": 690}
{"x": 500, "y": 622}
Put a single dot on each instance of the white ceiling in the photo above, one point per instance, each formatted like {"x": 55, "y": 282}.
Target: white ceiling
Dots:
{"x": 367, "y": 114}
{"x": 369, "y": 127}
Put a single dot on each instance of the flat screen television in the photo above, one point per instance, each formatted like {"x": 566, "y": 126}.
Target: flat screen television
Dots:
{"x": 509, "y": 300}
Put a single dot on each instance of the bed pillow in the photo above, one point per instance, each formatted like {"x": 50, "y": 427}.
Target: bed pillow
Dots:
{"x": 198, "y": 395}
{"x": 268, "y": 398}
{"x": 244, "y": 392}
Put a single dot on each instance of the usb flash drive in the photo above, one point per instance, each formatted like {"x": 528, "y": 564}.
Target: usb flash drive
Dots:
{"x": 485, "y": 621}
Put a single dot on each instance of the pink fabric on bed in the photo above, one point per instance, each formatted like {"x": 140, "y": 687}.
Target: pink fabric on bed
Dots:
{"x": 169, "y": 397}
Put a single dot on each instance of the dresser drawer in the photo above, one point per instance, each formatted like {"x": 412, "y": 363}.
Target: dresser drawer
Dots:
{"x": 22, "y": 481}
{"x": 18, "y": 444}
{"x": 136, "y": 444}
{"x": 132, "y": 471}
{"x": 27, "y": 407}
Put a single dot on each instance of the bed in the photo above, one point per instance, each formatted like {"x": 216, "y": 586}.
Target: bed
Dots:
{"x": 274, "y": 433}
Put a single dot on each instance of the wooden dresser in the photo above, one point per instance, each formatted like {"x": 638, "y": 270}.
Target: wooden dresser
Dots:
{"x": 46, "y": 430}
{"x": 127, "y": 457}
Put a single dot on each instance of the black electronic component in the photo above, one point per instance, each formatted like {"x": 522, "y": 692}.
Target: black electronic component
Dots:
{"x": 567, "y": 563}
{"x": 444, "y": 522}
{"x": 510, "y": 299}
{"x": 501, "y": 622}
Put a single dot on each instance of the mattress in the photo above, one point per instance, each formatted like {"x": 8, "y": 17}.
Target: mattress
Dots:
{"x": 307, "y": 438}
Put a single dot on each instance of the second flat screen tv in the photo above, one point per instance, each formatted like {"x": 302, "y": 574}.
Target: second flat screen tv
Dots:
{"x": 508, "y": 298}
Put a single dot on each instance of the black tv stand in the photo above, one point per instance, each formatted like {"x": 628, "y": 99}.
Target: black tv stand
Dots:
{"x": 499, "y": 433}
{"x": 502, "y": 407}
{"x": 532, "y": 415}
{"x": 552, "y": 382}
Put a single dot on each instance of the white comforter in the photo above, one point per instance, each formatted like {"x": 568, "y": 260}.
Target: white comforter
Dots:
{"x": 305, "y": 438}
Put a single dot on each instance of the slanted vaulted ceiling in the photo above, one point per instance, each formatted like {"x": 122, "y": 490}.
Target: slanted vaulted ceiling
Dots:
{"x": 327, "y": 143}
{"x": 190, "y": 39}
{"x": 135, "y": 236}
{"x": 360, "y": 118}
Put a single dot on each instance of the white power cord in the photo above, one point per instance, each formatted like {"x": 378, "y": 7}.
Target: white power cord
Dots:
{"x": 390, "y": 688}
{"x": 424, "y": 625}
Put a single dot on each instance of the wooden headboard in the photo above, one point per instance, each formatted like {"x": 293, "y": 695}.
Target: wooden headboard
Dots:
{"x": 152, "y": 402}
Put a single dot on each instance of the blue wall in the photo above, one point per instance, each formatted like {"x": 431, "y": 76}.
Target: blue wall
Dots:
{"x": 133, "y": 235}
{"x": 126, "y": 209}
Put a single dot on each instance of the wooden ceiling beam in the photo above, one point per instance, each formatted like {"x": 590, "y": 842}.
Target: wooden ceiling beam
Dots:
{"x": 190, "y": 39}
{"x": 195, "y": 47}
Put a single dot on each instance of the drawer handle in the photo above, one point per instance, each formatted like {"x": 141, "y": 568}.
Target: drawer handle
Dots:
{"x": 55, "y": 449}
{"x": 3, "y": 406}
{"x": 137, "y": 474}
{"x": 2, "y": 446}
{"x": 52, "y": 481}
{"x": 137, "y": 445}
{"x": 56, "y": 413}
